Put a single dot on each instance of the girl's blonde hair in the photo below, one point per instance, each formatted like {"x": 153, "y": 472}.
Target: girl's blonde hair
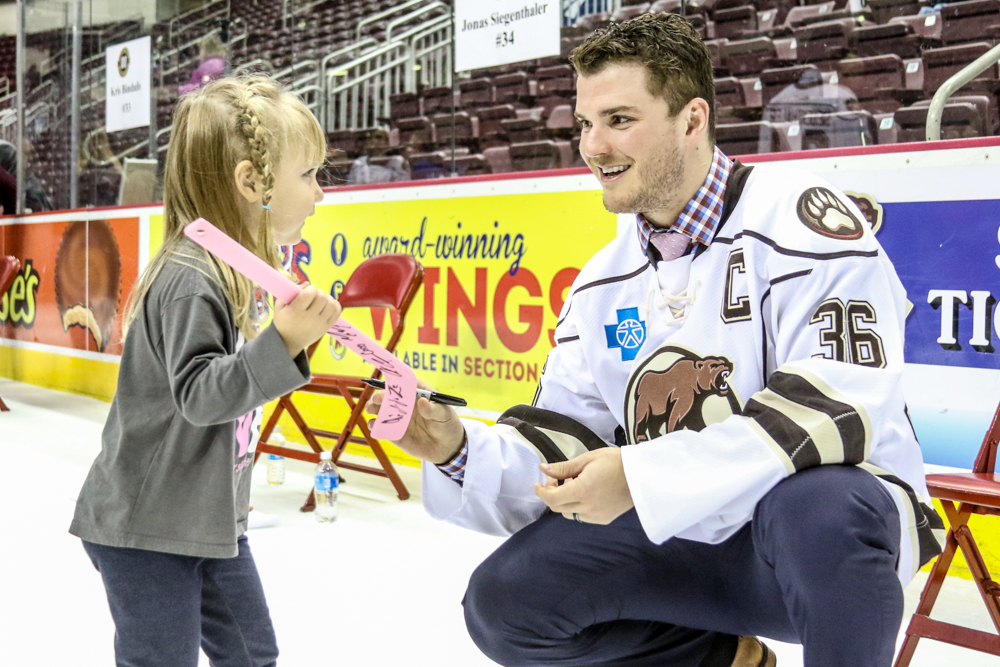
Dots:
{"x": 215, "y": 128}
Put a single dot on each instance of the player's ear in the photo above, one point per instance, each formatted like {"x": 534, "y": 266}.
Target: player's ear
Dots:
{"x": 246, "y": 180}
{"x": 696, "y": 115}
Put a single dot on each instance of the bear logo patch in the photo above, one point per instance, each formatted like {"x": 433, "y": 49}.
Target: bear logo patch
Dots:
{"x": 823, "y": 212}
{"x": 676, "y": 389}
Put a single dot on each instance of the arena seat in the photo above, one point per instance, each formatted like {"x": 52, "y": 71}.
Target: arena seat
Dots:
{"x": 959, "y": 120}
{"x": 498, "y": 158}
{"x": 561, "y": 123}
{"x": 895, "y": 38}
{"x": 715, "y": 51}
{"x": 472, "y": 165}
{"x": 417, "y": 131}
{"x": 776, "y": 79}
{"x": 627, "y": 12}
{"x": 928, "y": 27}
{"x": 729, "y": 93}
{"x": 349, "y": 142}
{"x": 748, "y": 138}
{"x": 838, "y": 130}
{"x": 476, "y": 92}
{"x": 748, "y": 56}
{"x": 437, "y": 100}
{"x": 466, "y": 129}
{"x": 491, "y": 130}
{"x": 796, "y": 15}
{"x": 733, "y": 22}
{"x": 405, "y": 105}
{"x": 825, "y": 41}
{"x": 537, "y": 155}
{"x": 514, "y": 88}
{"x": 968, "y": 21}
{"x": 940, "y": 64}
{"x": 878, "y": 82}
{"x": 528, "y": 126}
{"x": 883, "y": 10}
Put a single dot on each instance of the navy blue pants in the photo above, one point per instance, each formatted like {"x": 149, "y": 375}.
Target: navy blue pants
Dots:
{"x": 165, "y": 606}
{"x": 816, "y": 566}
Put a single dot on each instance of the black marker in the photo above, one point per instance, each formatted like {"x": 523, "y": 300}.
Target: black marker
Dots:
{"x": 432, "y": 396}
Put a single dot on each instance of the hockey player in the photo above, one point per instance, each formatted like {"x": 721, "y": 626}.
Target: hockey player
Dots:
{"x": 724, "y": 446}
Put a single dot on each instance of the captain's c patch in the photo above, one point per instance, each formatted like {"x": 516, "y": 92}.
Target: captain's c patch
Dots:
{"x": 823, "y": 212}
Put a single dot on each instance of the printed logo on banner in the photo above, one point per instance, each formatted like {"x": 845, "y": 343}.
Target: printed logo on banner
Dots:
{"x": 19, "y": 305}
{"x": 869, "y": 208}
{"x": 123, "y": 62}
{"x": 950, "y": 274}
{"x": 88, "y": 279}
{"x": 628, "y": 334}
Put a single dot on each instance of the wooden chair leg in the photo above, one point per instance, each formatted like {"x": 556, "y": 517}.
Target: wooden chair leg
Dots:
{"x": 927, "y": 599}
{"x": 3, "y": 406}
{"x": 269, "y": 427}
{"x": 988, "y": 588}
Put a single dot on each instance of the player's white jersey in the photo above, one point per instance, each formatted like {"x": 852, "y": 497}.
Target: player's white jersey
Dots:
{"x": 777, "y": 348}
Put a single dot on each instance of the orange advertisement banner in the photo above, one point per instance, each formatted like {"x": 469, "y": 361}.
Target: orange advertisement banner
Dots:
{"x": 73, "y": 283}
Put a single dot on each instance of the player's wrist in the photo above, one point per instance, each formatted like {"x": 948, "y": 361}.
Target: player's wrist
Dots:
{"x": 451, "y": 453}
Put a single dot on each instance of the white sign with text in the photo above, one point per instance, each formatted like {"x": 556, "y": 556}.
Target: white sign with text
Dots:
{"x": 128, "y": 82}
{"x": 496, "y": 32}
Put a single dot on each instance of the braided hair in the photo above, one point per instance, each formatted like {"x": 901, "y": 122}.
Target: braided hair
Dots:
{"x": 215, "y": 129}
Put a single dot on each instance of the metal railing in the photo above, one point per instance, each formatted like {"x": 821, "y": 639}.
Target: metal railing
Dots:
{"x": 361, "y": 97}
{"x": 406, "y": 18}
{"x": 8, "y": 125}
{"x": 184, "y": 22}
{"x": 576, "y": 9}
{"x": 432, "y": 53}
{"x": 935, "y": 113}
{"x": 374, "y": 18}
{"x": 357, "y": 92}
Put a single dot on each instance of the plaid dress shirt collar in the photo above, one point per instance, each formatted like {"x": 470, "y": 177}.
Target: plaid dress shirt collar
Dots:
{"x": 701, "y": 216}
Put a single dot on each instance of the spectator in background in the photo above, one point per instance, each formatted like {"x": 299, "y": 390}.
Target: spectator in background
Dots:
{"x": 212, "y": 53}
{"x": 390, "y": 169}
{"x": 8, "y": 193}
{"x": 35, "y": 198}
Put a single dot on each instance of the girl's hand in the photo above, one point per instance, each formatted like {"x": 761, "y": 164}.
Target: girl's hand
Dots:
{"x": 304, "y": 321}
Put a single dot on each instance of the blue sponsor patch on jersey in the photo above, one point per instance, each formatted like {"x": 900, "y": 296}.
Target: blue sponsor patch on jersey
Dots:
{"x": 628, "y": 334}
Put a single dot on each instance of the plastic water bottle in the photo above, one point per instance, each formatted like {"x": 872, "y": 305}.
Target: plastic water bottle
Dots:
{"x": 275, "y": 463}
{"x": 326, "y": 488}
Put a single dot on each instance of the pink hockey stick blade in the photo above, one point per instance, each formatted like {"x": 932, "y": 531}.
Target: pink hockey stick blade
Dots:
{"x": 400, "y": 382}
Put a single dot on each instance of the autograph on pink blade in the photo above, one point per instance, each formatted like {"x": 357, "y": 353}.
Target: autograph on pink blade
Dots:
{"x": 400, "y": 382}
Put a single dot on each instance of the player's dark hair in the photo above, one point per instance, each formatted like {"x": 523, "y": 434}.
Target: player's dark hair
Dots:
{"x": 677, "y": 62}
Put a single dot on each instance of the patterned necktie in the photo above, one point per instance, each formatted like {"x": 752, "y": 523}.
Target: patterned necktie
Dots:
{"x": 670, "y": 244}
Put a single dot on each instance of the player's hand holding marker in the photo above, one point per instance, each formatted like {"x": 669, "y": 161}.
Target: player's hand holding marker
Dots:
{"x": 435, "y": 432}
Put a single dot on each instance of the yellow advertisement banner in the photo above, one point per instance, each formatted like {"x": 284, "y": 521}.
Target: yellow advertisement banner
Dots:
{"x": 496, "y": 272}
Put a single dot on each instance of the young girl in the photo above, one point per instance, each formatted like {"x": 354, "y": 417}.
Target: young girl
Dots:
{"x": 164, "y": 508}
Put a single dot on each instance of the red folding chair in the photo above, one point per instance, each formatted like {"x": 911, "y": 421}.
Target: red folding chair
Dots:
{"x": 961, "y": 495}
{"x": 9, "y": 266}
{"x": 385, "y": 281}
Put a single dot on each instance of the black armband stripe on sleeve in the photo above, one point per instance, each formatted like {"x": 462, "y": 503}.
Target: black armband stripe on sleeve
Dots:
{"x": 788, "y": 439}
{"x": 809, "y": 422}
{"x": 846, "y": 417}
{"x": 553, "y": 436}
